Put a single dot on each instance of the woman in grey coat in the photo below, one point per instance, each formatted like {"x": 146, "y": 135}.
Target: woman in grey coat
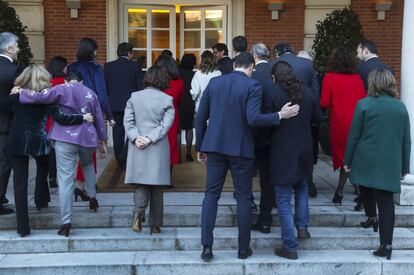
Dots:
{"x": 149, "y": 114}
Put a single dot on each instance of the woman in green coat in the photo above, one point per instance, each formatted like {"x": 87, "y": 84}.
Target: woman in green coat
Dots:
{"x": 377, "y": 153}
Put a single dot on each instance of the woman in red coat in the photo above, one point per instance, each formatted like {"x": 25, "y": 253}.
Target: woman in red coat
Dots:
{"x": 176, "y": 91}
{"x": 342, "y": 88}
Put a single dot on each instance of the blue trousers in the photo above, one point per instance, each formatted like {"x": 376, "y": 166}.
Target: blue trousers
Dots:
{"x": 242, "y": 172}
{"x": 284, "y": 210}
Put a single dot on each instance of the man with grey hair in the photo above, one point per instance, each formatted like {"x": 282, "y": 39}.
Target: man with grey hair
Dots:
{"x": 9, "y": 49}
{"x": 263, "y": 75}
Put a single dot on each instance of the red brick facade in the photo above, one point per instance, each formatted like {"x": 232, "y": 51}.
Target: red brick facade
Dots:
{"x": 63, "y": 33}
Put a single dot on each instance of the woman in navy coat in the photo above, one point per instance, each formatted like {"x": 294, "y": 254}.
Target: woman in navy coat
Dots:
{"x": 291, "y": 155}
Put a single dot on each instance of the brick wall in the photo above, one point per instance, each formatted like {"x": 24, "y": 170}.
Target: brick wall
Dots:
{"x": 386, "y": 34}
{"x": 289, "y": 28}
{"x": 63, "y": 33}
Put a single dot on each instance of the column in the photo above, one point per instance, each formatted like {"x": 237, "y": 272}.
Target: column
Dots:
{"x": 407, "y": 94}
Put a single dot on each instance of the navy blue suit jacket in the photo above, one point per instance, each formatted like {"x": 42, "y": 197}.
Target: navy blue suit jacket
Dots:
{"x": 304, "y": 71}
{"x": 122, "y": 78}
{"x": 364, "y": 68}
{"x": 231, "y": 104}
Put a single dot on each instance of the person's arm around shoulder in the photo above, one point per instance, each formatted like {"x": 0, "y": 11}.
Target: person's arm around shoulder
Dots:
{"x": 354, "y": 135}
{"x": 67, "y": 119}
{"x": 46, "y": 96}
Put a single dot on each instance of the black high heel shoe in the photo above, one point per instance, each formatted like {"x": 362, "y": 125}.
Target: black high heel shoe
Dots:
{"x": 359, "y": 205}
{"x": 384, "y": 251}
{"x": 370, "y": 222}
{"x": 64, "y": 229}
{"x": 93, "y": 204}
{"x": 337, "y": 199}
{"x": 80, "y": 193}
{"x": 39, "y": 206}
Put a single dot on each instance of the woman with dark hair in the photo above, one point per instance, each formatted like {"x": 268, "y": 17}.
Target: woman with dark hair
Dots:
{"x": 342, "y": 88}
{"x": 187, "y": 64}
{"x": 176, "y": 91}
{"x": 149, "y": 114}
{"x": 377, "y": 153}
{"x": 57, "y": 68}
{"x": 207, "y": 70}
{"x": 93, "y": 78}
{"x": 291, "y": 154}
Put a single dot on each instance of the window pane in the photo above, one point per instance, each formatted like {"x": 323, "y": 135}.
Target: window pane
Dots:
{"x": 137, "y": 18}
{"x": 192, "y": 19}
{"x": 160, "y": 18}
{"x": 138, "y": 38}
{"x": 160, "y": 39}
{"x": 192, "y": 39}
{"x": 197, "y": 54}
{"x": 214, "y": 18}
{"x": 213, "y": 37}
{"x": 141, "y": 58}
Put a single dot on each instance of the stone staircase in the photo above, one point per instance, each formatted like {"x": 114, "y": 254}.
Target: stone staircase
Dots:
{"x": 103, "y": 242}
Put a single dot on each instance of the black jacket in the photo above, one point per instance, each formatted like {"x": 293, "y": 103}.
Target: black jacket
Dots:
{"x": 291, "y": 154}
{"x": 364, "y": 68}
{"x": 304, "y": 71}
{"x": 27, "y": 135}
{"x": 122, "y": 78}
{"x": 8, "y": 73}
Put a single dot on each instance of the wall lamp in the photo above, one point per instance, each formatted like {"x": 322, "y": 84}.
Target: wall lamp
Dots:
{"x": 275, "y": 7}
{"x": 381, "y": 8}
{"x": 73, "y": 5}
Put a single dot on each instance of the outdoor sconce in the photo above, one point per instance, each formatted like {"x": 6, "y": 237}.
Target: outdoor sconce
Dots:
{"x": 73, "y": 5}
{"x": 381, "y": 8}
{"x": 275, "y": 7}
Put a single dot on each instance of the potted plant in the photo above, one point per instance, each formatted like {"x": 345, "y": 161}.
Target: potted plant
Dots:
{"x": 339, "y": 28}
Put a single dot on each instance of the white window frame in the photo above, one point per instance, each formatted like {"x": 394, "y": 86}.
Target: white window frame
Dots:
{"x": 149, "y": 49}
{"x": 202, "y": 28}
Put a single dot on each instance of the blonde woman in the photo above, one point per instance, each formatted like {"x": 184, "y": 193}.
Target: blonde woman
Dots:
{"x": 28, "y": 138}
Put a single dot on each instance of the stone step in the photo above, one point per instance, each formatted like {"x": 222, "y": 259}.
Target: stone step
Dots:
{"x": 185, "y": 239}
{"x": 310, "y": 262}
{"x": 190, "y": 216}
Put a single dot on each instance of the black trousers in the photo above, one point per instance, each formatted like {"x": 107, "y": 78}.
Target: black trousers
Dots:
{"x": 384, "y": 200}
{"x": 267, "y": 197}
{"x": 120, "y": 146}
{"x": 5, "y": 166}
{"x": 242, "y": 173}
{"x": 20, "y": 165}
{"x": 52, "y": 166}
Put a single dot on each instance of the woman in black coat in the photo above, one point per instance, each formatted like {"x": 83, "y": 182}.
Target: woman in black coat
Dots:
{"x": 187, "y": 104}
{"x": 291, "y": 155}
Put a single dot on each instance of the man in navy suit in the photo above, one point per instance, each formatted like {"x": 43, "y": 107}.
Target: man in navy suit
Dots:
{"x": 122, "y": 77}
{"x": 367, "y": 52}
{"x": 9, "y": 49}
{"x": 305, "y": 72}
{"x": 262, "y": 73}
{"x": 232, "y": 105}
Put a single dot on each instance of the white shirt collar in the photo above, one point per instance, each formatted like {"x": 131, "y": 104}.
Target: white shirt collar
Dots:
{"x": 8, "y": 57}
{"x": 261, "y": 61}
{"x": 374, "y": 56}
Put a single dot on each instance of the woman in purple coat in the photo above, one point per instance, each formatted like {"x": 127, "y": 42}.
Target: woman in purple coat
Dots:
{"x": 71, "y": 141}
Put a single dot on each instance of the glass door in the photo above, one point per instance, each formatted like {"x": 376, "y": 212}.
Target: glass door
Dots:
{"x": 150, "y": 29}
{"x": 201, "y": 28}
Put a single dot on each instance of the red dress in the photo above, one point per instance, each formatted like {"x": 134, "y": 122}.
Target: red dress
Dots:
{"x": 340, "y": 93}
{"x": 176, "y": 90}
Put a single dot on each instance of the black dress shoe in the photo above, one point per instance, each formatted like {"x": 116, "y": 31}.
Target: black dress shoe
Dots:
{"x": 4, "y": 201}
{"x": 312, "y": 191}
{"x": 282, "y": 252}
{"x": 303, "y": 234}
{"x": 261, "y": 228}
{"x": 53, "y": 183}
{"x": 5, "y": 211}
{"x": 244, "y": 254}
{"x": 207, "y": 254}
{"x": 24, "y": 234}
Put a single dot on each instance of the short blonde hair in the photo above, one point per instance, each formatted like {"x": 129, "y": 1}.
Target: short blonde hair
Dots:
{"x": 35, "y": 77}
{"x": 380, "y": 82}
